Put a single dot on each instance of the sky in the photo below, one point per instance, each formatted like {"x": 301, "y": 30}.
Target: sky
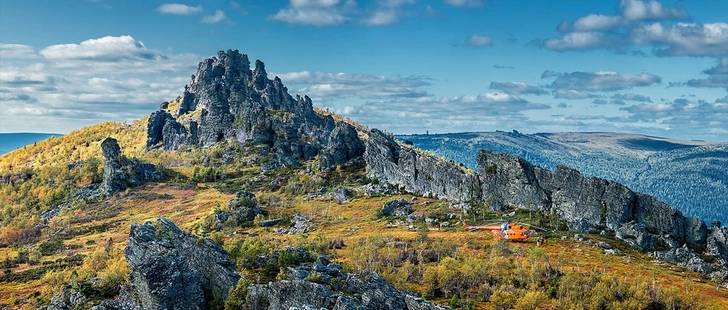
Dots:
{"x": 405, "y": 66}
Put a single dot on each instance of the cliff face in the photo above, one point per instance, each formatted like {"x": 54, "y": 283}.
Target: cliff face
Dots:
{"x": 586, "y": 204}
{"x": 241, "y": 105}
{"x": 389, "y": 162}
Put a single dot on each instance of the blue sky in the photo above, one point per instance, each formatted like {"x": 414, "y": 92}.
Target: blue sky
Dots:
{"x": 406, "y": 66}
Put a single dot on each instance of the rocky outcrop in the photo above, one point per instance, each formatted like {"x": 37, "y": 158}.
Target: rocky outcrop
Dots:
{"x": 321, "y": 284}
{"x": 717, "y": 242}
{"x": 173, "y": 269}
{"x": 240, "y": 105}
{"x": 389, "y": 162}
{"x": 400, "y": 207}
{"x": 243, "y": 208}
{"x": 120, "y": 173}
{"x": 587, "y": 204}
{"x": 344, "y": 145}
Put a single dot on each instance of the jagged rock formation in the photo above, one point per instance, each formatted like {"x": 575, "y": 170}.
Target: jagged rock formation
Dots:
{"x": 321, "y": 284}
{"x": 344, "y": 144}
{"x": 392, "y": 163}
{"x": 174, "y": 269}
{"x": 586, "y": 204}
{"x": 243, "y": 208}
{"x": 242, "y": 105}
{"x": 120, "y": 173}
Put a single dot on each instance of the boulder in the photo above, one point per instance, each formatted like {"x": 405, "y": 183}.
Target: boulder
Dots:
{"x": 174, "y": 269}
{"x": 244, "y": 206}
{"x": 400, "y": 207}
{"x": 341, "y": 194}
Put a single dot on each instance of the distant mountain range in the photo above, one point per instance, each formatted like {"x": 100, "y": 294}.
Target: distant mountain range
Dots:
{"x": 689, "y": 175}
{"x": 14, "y": 140}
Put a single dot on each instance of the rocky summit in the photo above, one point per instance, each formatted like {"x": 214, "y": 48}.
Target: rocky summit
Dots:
{"x": 226, "y": 100}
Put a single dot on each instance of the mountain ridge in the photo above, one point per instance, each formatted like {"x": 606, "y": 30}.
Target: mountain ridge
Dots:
{"x": 686, "y": 174}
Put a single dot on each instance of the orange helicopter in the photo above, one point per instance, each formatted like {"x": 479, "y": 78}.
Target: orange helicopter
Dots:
{"x": 507, "y": 231}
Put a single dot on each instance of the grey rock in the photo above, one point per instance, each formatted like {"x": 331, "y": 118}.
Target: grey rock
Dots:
{"x": 391, "y": 163}
{"x": 695, "y": 231}
{"x": 284, "y": 295}
{"x": 172, "y": 268}
{"x": 155, "y": 127}
{"x": 120, "y": 173}
{"x": 343, "y": 145}
{"x": 341, "y": 194}
{"x": 244, "y": 206}
{"x": 400, "y": 207}
{"x": 269, "y": 223}
{"x": 685, "y": 258}
{"x": 717, "y": 243}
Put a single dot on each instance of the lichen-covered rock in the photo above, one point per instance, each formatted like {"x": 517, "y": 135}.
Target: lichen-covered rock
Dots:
{"x": 400, "y": 207}
{"x": 173, "y": 269}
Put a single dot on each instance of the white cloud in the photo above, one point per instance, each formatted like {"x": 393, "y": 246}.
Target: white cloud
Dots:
{"x": 596, "y": 22}
{"x": 381, "y": 18}
{"x": 477, "y": 40}
{"x": 517, "y": 88}
{"x": 684, "y": 39}
{"x": 9, "y": 51}
{"x": 580, "y": 41}
{"x": 312, "y": 12}
{"x": 82, "y": 84}
{"x": 216, "y": 18}
{"x": 600, "y": 80}
{"x": 572, "y": 94}
{"x": 178, "y": 9}
{"x": 465, "y": 3}
{"x": 328, "y": 86}
{"x": 103, "y": 49}
{"x": 650, "y": 10}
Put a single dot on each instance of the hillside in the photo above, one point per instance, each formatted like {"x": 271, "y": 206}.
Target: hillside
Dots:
{"x": 11, "y": 141}
{"x": 688, "y": 175}
{"x": 235, "y": 195}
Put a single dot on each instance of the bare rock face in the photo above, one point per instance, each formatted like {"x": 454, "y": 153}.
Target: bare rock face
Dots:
{"x": 173, "y": 269}
{"x": 389, "y": 162}
{"x": 344, "y": 145}
{"x": 511, "y": 181}
{"x": 696, "y": 231}
{"x": 717, "y": 243}
{"x": 120, "y": 173}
